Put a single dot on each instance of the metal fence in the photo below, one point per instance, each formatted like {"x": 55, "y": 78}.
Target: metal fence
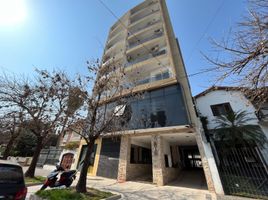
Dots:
{"x": 243, "y": 171}
{"x": 49, "y": 156}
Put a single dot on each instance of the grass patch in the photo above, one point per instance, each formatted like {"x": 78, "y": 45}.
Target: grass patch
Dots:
{"x": 35, "y": 180}
{"x": 71, "y": 194}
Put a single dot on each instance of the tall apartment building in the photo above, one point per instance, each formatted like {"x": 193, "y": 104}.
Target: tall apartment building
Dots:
{"x": 165, "y": 140}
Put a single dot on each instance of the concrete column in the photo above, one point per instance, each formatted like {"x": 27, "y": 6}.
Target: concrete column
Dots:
{"x": 124, "y": 158}
{"x": 157, "y": 160}
{"x": 208, "y": 162}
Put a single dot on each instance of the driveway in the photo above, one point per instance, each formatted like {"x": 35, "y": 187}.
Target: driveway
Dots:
{"x": 141, "y": 191}
{"x": 134, "y": 190}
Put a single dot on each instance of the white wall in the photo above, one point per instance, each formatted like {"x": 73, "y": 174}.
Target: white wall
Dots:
{"x": 166, "y": 151}
{"x": 236, "y": 99}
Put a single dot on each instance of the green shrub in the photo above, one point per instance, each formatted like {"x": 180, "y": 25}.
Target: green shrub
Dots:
{"x": 71, "y": 145}
{"x": 71, "y": 194}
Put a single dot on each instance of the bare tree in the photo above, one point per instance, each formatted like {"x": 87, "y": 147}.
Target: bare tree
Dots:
{"x": 108, "y": 109}
{"x": 11, "y": 124}
{"x": 43, "y": 103}
{"x": 243, "y": 56}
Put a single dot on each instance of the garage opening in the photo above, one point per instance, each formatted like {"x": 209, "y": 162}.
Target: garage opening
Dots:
{"x": 191, "y": 174}
{"x": 186, "y": 159}
{"x": 140, "y": 167}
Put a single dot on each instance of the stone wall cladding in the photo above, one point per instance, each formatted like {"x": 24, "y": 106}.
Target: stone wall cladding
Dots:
{"x": 170, "y": 174}
{"x": 123, "y": 158}
{"x": 157, "y": 159}
{"x": 138, "y": 170}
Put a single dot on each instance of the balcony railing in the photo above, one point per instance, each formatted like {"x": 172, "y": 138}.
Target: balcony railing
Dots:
{"x": 146, "y": 57}
{"x": 136, "y": 43}
{"x": 143, "y": 16}
{"x": 145, "y": 26}
{"x": 157, "y": 77}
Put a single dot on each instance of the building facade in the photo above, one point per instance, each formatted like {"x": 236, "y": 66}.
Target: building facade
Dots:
{"x": 164, "y": 136}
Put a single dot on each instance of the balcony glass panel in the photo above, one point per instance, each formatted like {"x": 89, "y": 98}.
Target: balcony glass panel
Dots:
{"x": 157, "y": 77}
{"x": 146, "y": 57}
{"x": 151, "y": 23}
{"x": 136, "y": 43}
{"x": 143, "y": 16}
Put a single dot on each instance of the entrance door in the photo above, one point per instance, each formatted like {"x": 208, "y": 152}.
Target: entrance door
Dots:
{"x": 83, "y": 155}
{"x": 67, "y": 160}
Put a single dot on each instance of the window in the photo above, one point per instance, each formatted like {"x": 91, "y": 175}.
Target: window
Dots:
{"x": 157, "y": 108}
{"x": 221, "y": 109}
{"x": 140, "y": 155}
{"x": 119, "y": 110}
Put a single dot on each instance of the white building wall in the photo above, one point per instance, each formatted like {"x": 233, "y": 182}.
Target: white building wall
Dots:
{"x": 236, "y": 99}
{"x": 166, "y": 151}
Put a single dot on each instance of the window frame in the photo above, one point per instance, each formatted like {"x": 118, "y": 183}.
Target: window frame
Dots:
{"x": 215, "y": 108}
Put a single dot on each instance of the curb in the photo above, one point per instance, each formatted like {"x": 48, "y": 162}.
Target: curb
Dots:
{"x": 35, "y": 197}
{"x": 115, "y": 197}
{"x": 33, "y": 184}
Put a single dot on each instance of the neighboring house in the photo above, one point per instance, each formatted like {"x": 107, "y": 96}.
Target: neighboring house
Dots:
{"x": 66, "y": 153}
{"x": 70, "y": 143}
{"x": 163, "y": 138}
{"x": 219, "y": 100}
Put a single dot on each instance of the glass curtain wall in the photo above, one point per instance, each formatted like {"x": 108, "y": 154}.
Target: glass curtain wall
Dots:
{"x": 158, "y": 108}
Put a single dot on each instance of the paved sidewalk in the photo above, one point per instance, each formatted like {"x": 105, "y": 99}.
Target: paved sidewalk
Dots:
{"x": 39, "y": 171}
{"x": 141, "y": 191}
{"x": 32, "y": 190}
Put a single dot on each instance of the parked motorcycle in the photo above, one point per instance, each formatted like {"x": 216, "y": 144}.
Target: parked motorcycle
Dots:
{"x": 66, "y": 178}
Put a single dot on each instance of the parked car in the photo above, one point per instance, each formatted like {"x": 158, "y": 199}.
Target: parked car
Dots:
{"x": 12, "y": 185}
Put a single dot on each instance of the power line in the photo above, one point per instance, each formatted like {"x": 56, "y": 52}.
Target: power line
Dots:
{"x": 205, "y": 31}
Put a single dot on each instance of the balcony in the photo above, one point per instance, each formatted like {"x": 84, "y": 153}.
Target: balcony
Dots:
{"x": 157, "y": 77}
{"x": 146, "y": 57}
{"x": 112, "y": 59}
{"x": 145, "y": 27}
{"x": 142, "y": 6}
{"x": 140, "y": 17}
{"x": 118, "y": 26}
{"x": 112, "y": 42}
{"x": 138, "y": 42}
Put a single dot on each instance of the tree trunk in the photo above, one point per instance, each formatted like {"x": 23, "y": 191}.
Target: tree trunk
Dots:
{"x": 81, "y": 186}
{"x": 8, "y": 148}
{"x": 31, "y": 170}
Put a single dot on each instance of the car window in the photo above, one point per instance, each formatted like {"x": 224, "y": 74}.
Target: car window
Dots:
{"x": 11, "y": 174}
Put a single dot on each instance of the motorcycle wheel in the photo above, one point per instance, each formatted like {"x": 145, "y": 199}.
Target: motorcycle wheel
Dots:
{"x": 69, "y": 184}
{"x": 43, "y": 187}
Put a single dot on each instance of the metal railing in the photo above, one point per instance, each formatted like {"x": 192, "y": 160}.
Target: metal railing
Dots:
{"x": 146, "y": 57}
{"x": 136, "y": 43}
{"x": 243, "y": 171}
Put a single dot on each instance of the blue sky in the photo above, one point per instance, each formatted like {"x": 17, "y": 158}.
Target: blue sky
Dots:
{"x": 64, "y": 34}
